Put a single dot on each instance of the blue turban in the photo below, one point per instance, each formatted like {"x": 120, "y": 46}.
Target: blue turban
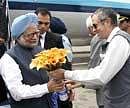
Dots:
{"x": 21, "y": 23}
{"x": 57, "y": 26}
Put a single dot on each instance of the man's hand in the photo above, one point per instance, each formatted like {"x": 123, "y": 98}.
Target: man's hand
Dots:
{"x": 70, "y": 84}
{"x": 55, "y": 85}
{"x": 57, "y": 74}
{"x": 71, "y": 95}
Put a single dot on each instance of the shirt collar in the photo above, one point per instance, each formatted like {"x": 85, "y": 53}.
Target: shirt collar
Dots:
{"x": 43, "y": 35}
{"x": 114, "y": 31}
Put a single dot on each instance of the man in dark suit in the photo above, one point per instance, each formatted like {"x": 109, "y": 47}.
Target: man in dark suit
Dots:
{"x": 50, "y": 40}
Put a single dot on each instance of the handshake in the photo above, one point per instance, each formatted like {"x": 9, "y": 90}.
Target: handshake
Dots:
{"x": 58, "y": 75}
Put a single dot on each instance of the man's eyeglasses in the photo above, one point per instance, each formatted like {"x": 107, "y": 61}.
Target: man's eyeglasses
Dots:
{"x": 101, "y": 22}
{"x": 30, "y": 35}
{"x": 45, "y": 23}
{"x": 95, "y": 26}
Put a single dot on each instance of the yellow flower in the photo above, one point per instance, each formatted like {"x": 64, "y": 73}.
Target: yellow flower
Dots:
{"x": 49, "y": 59}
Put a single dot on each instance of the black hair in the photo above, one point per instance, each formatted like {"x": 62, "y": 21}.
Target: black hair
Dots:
{"x": 43, "y": 11}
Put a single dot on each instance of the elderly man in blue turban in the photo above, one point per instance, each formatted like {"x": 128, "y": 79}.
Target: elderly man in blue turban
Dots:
{"x": 28, "y": 88}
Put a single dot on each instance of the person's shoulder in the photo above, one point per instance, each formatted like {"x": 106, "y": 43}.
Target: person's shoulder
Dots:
{"x": 122, "y": 34}
{"x": 55, "y": 38}
{"x": 53, "y": 34}
{"x": 66, "y": 39}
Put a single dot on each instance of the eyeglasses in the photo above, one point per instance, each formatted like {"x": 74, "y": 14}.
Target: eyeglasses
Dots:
{"x": 30, "y": 35}
{"x": 45, "y": 23}
{"x": 95, "y": 26}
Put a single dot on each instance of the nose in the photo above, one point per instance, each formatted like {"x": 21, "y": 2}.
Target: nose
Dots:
{"x": 43, "y": 25}
{"x": 94, "y": 29}
{"x": 36, "y": 36}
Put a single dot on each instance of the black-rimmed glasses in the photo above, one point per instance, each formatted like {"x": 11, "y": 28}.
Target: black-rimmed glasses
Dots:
{"x": 95, "y": 26}
{"x": 30, "y": 35}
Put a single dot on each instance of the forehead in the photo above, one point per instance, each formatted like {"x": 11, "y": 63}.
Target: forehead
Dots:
{"x": 95, "y": 18}
{"x": 43, "y": 17}
{"x": 121, "y": 22}
{"x": 31, "y": 28}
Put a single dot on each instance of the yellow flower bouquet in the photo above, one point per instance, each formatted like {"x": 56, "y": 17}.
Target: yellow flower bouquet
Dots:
{"x": 49, "y": 59}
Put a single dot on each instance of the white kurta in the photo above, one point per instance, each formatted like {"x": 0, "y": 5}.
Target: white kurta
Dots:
{"x": 116, "y": 55}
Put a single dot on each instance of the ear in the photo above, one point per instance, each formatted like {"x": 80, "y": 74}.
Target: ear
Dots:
{"x": 108, "y": 22}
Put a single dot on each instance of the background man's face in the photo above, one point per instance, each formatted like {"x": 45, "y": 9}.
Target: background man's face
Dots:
{"x": 43, "y": 23}
{"x": 123, "y": 25}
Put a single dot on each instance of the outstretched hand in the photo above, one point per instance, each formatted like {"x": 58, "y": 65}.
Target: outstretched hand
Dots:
{"x": 70, "y": 84}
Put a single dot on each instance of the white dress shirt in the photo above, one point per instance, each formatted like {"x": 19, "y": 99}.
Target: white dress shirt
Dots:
{"x": 42, "y": 39}
{"x": 116, "y": 55}
{"x": 12, "y": 76}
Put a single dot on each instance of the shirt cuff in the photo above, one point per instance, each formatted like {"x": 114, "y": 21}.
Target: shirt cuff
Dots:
{"x": 45, "y": 88}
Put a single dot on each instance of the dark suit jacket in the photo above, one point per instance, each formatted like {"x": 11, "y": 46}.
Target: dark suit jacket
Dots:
{"x": 54, "y": 40}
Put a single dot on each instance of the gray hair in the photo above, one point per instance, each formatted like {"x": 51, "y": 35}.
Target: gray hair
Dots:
{"x": 104, "y": 13}
{"x": 89, "y": 22}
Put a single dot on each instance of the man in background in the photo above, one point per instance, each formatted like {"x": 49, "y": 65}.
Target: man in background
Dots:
{"x": 124, "y": 23}
{"x": 48, "y": 39}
